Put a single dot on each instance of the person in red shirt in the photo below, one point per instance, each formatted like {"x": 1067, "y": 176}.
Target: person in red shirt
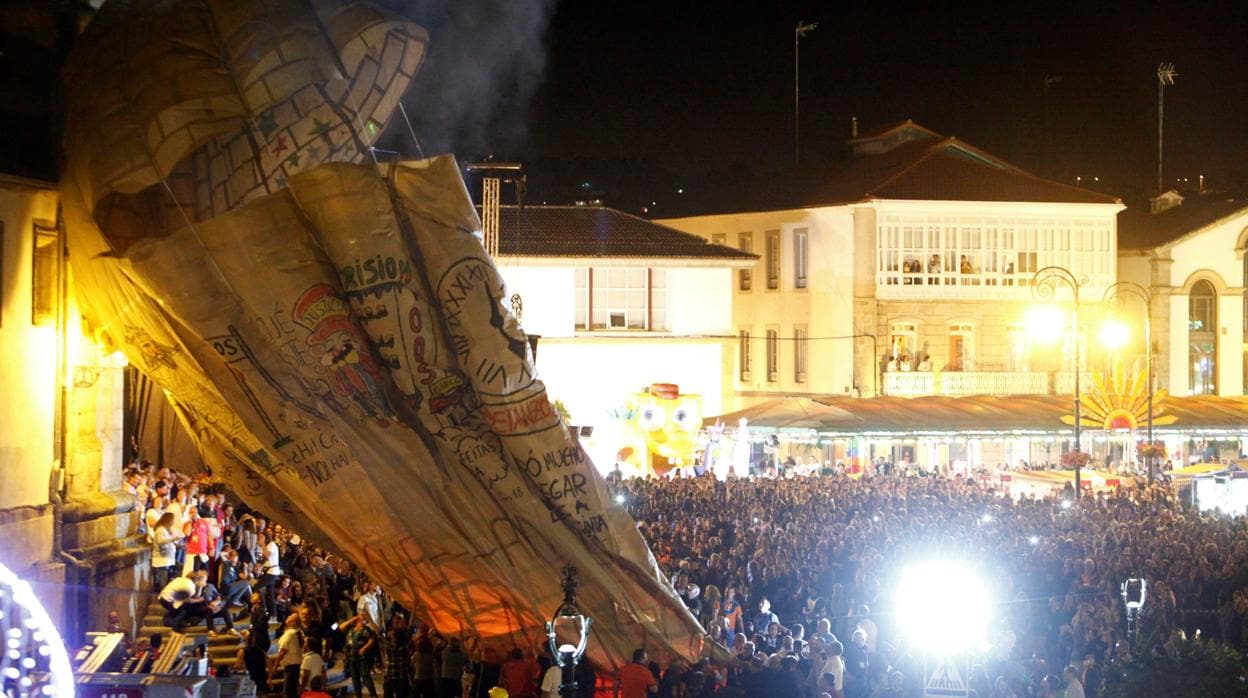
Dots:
{"x": 519, "y": 676}
{"x": 636, "y": 681}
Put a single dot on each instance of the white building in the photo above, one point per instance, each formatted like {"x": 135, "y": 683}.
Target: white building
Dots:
{"x": 620, "y": 303}
{"x": 1189, "y": 253}
{"x": 907, "y": 270}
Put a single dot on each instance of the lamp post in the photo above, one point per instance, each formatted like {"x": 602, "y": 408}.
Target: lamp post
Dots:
{"x": 1117, "y": 294}
{"x": 1044, "y": 284}
{"x": 568, "y": 619}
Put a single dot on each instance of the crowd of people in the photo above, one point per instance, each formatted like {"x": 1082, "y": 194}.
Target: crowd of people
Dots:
{"x": 797, "y": 576}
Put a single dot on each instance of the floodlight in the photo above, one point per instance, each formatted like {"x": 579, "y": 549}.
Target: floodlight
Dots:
{"x": 1066, "y": 504}
{"x": 1034, "y": 540}
{"x": 986, "y": 518}
{"x": 1114, "y": 335}
{"x": 1045, "y": 323}
{"x": 620, "y": 499}
{"x": 943, "y": 606}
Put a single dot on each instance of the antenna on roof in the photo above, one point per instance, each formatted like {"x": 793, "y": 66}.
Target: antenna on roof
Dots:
{"x": 803, "y": 28}
{"x": 1165, "y": 76}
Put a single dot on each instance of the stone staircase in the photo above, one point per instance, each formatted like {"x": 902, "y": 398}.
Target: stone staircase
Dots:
{"x": 222, "y": 649}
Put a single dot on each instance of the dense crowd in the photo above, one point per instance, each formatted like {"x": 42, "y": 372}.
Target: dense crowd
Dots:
{"x": 797, "y": 576}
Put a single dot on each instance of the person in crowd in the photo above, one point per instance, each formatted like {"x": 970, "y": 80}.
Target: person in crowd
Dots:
{"x": 635, "y": 679}
{"x": 361, "y": 641}
{"x": 451, "y": 667}
{"x": 312, "y": 665}
{"x": 519, "y": 675}
{"x": 316, "y": 689}
{"x": 397, "y": 650}
{"x": 289, "y": 657}
{"x": 182, "y": 602}
{"x": 254, "y": 659}
{"x": 164, "y": 538}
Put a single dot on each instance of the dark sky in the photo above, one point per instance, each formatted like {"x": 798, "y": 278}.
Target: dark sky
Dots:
{"x": 639, "y": 98}
{"x": 697, "y": 88}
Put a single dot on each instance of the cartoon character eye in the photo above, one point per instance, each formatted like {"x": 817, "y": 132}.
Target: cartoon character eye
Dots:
{"x": 652, "y": 417}
{"x": 680, "y": 416}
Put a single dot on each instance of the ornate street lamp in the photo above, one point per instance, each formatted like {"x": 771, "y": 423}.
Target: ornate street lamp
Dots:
{"x": 572, "y": 624}
{"x": 1116, "y": 294}
{"x": 1044, "y": 286}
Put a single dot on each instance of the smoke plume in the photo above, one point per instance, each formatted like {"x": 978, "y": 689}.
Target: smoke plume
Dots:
{"x": 486, "y": 58}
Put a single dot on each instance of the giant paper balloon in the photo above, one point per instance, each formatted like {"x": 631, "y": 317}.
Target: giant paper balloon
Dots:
{"x": 329, "y": 328}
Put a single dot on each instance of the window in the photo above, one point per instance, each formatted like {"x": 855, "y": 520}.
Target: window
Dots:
{"x": 745, "y": 243}
{"x": 772, "y": 254}
{"x": 1202, "y": 322}
{"x": 801, "y": 241}
{"x": 773, "y": 355}
{"x": 43, "y": 287}
{"x": 719, "y": 239}
{"x": 961, "y": 347}
{"x": 582, "y": 299}
{"x": 1018, "y": 349}
{"x": 621, "y": 299}
{"x": 799, "y": 354}
{"x": 743, "y": 349}
{"x": 902, "y": 340}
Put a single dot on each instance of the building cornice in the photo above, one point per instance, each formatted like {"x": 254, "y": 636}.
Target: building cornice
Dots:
{"x": 658, "y": 262}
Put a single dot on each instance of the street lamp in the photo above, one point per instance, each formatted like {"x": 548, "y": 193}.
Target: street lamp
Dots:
{"x": 1117, "y": 294}
{"x": 1044, "y": 286}
{"x": 571, "y": 623}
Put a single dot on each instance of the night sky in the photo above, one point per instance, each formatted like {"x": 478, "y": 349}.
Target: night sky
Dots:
{"x": 688, "y": 91}
{"x": 638, "y": 99}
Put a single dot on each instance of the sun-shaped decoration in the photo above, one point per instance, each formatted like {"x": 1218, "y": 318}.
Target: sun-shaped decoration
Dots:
{"x": 1119, "y": 403}
{"x": 33, "y": 663}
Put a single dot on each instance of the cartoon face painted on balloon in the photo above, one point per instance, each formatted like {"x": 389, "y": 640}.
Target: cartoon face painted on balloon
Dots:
{"x": 669, "y": 422}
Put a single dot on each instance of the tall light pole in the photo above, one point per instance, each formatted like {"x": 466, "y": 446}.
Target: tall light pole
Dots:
{"x": 803, "y": 28}
{"x": 1044, "y": 285}
{"x": 1165, "y": 76}
{"x": 1116, "y": 294}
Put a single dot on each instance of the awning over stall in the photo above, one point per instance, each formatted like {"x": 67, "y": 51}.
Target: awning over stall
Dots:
{"x": 981, "y": 414}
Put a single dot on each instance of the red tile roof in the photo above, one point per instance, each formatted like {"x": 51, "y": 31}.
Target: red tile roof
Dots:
{"x": 947, "y": 170}
{"x": 1139, "y": 229}
{"x": 594, "y": 231}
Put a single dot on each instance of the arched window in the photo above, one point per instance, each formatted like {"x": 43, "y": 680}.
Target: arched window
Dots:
{"x": 1202, "y": 325}
{"x": 1243, "y": 301}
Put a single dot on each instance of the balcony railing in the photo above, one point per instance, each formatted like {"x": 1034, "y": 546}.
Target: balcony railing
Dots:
{"x": 960, "y": 383}
{"x": 984, "y": 285}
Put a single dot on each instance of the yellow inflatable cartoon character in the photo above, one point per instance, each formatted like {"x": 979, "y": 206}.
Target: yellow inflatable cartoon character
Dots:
{"x": 669, "y": 422}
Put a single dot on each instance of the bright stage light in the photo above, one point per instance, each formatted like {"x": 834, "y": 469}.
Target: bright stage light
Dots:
{"x": 986, "y": 518}
{"x": 32, "y": 628}
{"x": 620, "y": 499}
{"x": 1034, "y": 540}
{"x": 943, "y": 607}
{"x": 1115, "y": 335}
{"x": 1066, "y": 504}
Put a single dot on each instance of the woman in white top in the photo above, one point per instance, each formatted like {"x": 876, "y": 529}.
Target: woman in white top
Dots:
{"x": 164, "y": 538}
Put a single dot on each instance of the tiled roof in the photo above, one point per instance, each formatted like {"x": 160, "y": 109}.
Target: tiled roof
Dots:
{"x": 1139, "y": 229}
{"x": 591, "y": 231}
{"x": 947, "y": 170}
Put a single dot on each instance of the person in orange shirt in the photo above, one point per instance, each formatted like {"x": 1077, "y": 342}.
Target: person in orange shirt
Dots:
{"x": 519, "y": 676}
{"x": 636, "y": 681}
